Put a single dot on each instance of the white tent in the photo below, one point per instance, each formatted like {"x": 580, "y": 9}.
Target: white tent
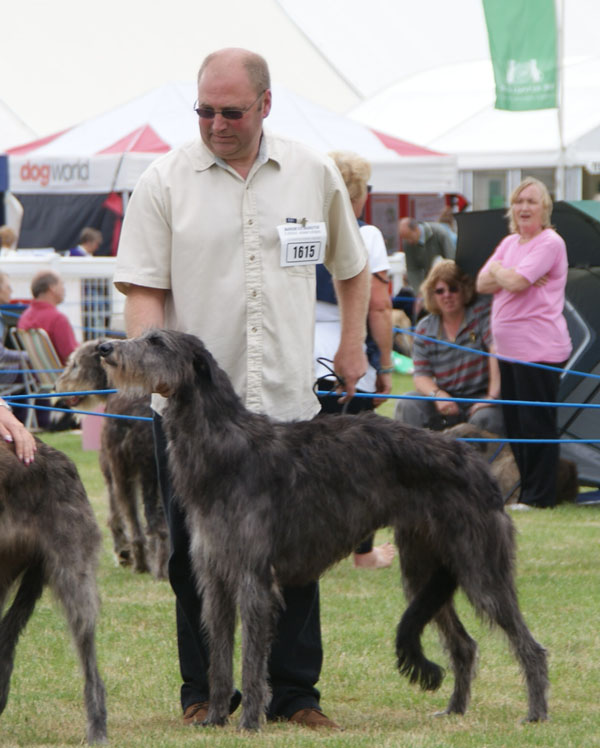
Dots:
{"x": 109, "y": 152}
{"x": 451, "y": 109}
{"x": 429, "y": 78}
{"x": 12, "y": 129}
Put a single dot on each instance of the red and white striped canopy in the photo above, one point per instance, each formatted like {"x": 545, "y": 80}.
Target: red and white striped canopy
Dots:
{"x": 109, "y": 152}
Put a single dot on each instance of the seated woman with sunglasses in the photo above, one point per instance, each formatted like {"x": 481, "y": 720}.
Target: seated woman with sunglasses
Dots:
{"x": 442, "y": 371}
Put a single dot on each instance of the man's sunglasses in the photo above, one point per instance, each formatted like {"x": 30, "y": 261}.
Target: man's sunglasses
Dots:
{"x": 207, "y": 112}
{"x": 451, "y": 289}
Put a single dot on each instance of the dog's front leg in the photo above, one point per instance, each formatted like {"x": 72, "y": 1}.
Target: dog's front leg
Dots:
{"x": 259, "y": 609}
{"x": 218, "y": 615}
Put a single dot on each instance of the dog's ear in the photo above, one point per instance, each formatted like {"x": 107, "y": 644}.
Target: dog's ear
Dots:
{"x": 205, "y": 367}
{"x": 105, "y": 384}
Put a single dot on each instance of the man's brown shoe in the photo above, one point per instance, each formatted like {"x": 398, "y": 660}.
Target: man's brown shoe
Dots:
{"x": 195, "y": 714}
{"x": 313, "y": 718}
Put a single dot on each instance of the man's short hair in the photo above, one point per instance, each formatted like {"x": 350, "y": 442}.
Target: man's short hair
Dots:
{"x": 88, "y": 234}
{"x": 255, "y": 65}
{"x": 42, "y": 282}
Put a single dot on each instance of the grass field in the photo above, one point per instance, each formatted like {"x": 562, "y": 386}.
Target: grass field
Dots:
{"x": 558, "y": 581}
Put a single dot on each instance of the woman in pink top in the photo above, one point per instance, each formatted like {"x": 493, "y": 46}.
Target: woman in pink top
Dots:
{"x": 527, "y": 275}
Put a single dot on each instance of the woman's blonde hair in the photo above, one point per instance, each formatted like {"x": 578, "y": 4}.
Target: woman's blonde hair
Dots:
{"x": 355, "y": 170}
{"x": 448, "y": 272}
{"x": 545, "y": 198}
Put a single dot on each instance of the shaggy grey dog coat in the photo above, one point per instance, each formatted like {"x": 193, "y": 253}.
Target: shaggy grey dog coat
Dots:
{"x": 49, "y": 536}
{"x": 127, "y": 462}
{"x": 273, "y": 504}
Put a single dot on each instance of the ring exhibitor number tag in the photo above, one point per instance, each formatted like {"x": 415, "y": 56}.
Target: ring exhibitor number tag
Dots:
{"x": 302, "y": 244}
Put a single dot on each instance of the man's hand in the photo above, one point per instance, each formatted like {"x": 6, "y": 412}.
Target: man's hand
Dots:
{"x": 383, "y": 386}
{"x": 350, "y": 364}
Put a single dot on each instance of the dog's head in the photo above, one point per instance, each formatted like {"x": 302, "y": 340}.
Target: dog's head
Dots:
{"x": 163, "y": 361}
{"x": 83, "y": 372}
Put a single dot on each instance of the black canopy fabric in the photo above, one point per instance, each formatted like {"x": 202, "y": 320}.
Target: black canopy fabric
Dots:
{"x": 478, "y": 235}
{"x": 582, "y": 311}
{"x": 481, "y": 231}
{"x": 56, "y": 220}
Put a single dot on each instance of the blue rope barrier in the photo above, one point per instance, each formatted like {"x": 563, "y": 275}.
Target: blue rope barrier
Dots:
{"x": 508, "y": 360}
{"x": 87, "y": 412}
{"x": 471, "y": 400}
{"x": 46, "y": 395}
{"x": 30, "y": 371}
{"x": 329, "y": 393}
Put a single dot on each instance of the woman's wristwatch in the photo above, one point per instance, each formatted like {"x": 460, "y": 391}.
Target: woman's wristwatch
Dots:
{"x": 434, "y": 392}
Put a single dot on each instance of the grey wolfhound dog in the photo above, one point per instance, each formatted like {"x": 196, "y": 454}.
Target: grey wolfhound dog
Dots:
{"x": 127, "y": 463}
{"x": 49, "y": 536}
{"x": 272, "y": 504}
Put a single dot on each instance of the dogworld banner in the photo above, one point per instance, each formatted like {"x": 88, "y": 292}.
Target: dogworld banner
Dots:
{"x": 523, "y": 47}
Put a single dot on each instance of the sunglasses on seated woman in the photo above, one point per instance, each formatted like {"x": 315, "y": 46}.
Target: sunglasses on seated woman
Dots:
{"x": 450, "y": 289}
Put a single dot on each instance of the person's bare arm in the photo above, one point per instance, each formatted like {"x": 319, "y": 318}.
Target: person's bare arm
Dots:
{"x": 498, "y": 277}
{"x": 144, "y": 309}
{"x": 486, "y": 283}
{"x": 350, "y": 361}
{"x": 428, "y": 387}
{"x": 380, "y": 327}
{"x": 493, "y": 384}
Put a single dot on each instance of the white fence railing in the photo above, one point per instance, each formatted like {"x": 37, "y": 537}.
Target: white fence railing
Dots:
{"x": 92, "y": 304}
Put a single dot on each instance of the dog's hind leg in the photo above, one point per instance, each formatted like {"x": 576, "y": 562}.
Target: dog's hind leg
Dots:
{"x": 121, "y": 545}
{"x": 126, "y": 501}
{"x": 462, "y": 650}
{"x": 260, "y": 603}
{"x": 496, "y": 597}
{"x": 76, "y": 590}
{"x": 428, "y": 586}
{"x": 156, "y": 526}
{"x": 412, "y": 663}
{"x": 13, "y": 623}
{"x": 501, "y": 605}
{"x": 218, "y": 616}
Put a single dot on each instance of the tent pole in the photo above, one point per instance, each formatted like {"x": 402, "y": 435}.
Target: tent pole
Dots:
{"x": 560, "y": 176}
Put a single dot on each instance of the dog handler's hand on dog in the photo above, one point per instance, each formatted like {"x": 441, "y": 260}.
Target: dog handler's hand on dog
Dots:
{"x": 12, "y": 430}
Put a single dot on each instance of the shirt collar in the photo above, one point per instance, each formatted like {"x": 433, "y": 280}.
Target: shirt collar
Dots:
{"x": 203, "y": 158}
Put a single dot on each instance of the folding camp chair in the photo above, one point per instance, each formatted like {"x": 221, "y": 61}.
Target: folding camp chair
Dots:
{"x": 44, "y": 366}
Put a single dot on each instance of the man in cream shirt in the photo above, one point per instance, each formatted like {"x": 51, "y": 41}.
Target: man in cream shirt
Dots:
{"x": 204, "y": 250}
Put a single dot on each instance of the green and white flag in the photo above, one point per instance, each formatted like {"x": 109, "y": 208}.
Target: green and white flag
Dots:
{"x": 522, "y": 35}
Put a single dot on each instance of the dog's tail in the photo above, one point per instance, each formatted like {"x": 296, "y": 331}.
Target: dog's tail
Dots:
{"x": 427, "y": 602}
{"x": 15, "y": 620}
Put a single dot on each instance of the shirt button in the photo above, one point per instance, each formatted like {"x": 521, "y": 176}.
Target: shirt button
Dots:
{"x": 252, "y": 258}
{"x": 254, "y": 293}
{"x": 253, "y": 329}
{"x": 250, "y": 222}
